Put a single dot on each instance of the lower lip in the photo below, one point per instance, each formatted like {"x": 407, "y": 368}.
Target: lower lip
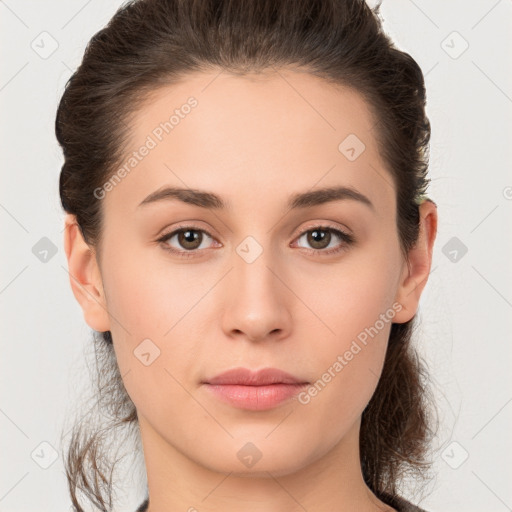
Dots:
{"x": 255, "y": 398}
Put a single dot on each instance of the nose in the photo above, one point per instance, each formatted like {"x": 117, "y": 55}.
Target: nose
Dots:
{"x": 257, "y": 303}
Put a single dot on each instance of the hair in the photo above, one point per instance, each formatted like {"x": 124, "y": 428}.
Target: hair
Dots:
{"x": 150, "y": 44}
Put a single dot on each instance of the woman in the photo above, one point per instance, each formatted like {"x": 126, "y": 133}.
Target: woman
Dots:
{"x": 247, "y": 228}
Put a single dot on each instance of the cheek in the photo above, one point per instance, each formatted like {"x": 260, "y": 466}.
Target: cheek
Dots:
{"x": 357, "y": 305}
{"x": 154, "y": 306}
{"x": 348, "y": 364}
{"x": 148, "y": 294}
{"x": 351, "y": 296}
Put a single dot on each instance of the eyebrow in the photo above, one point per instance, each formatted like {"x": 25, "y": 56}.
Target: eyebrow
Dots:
{"x": 301, "y": 200}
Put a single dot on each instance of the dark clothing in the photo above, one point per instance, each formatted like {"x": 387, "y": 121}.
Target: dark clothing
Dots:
{"x": 400, "y": 504}
{"x": 396, "y": 502}
{"x": 143, "y": 507}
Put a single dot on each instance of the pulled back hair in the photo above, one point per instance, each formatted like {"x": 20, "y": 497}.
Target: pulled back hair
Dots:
{"x": 149, "y": 44}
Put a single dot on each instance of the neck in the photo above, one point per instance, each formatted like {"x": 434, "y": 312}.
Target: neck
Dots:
{"x": 333, "y": 482}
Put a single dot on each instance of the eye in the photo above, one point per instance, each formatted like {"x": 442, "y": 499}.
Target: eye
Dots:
{"x": 189, "y": 240}
{"x": 320, "y": 238}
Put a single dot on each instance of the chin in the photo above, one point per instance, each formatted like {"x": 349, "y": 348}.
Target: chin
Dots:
{"x": 258, "y": 459}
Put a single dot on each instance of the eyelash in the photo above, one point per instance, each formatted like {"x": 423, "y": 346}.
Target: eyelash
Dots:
{"x": 345, "y": 237}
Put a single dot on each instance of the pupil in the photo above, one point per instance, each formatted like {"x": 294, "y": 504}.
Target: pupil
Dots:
{"x": 189, "y": 238}
{"x": 318, "y": 238}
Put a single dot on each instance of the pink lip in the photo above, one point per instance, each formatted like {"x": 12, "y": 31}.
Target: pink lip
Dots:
{"x": 255, "y": 391}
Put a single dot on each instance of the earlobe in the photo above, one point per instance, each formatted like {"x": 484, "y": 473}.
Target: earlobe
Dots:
{"x": 84, "y": 276}
{"x": 417, "y": 269}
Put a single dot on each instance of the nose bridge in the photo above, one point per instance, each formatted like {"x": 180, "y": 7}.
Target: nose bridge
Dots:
{"x": 257, "y": 303}
{"x": 252, "y": 262}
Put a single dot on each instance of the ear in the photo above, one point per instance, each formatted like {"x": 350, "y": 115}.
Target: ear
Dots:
{"x": 416, "y": 271}
{"x": 85, "y": 277}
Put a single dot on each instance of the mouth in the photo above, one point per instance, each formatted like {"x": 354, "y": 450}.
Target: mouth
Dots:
{"x": 256, "y": 391}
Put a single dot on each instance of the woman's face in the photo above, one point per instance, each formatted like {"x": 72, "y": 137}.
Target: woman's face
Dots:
{"x": 253, "y": 283}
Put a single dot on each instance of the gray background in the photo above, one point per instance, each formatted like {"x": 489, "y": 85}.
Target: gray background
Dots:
{"x": 465, "y": 312}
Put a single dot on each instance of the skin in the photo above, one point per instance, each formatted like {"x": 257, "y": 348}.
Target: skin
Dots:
{"x": 253, "y": 140}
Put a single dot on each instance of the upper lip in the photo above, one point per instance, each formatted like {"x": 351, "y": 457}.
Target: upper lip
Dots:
{"x": 246, "y": 377}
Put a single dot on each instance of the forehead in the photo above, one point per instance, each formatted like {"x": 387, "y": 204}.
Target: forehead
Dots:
{"x": 285, "y": 131}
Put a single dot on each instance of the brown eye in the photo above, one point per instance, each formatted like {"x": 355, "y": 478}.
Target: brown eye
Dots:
{"x": 190, "y": 239}
{"x": 319, "y": 238}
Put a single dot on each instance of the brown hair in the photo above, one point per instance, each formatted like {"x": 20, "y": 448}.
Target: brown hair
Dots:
{"x": 151, "y": 43}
